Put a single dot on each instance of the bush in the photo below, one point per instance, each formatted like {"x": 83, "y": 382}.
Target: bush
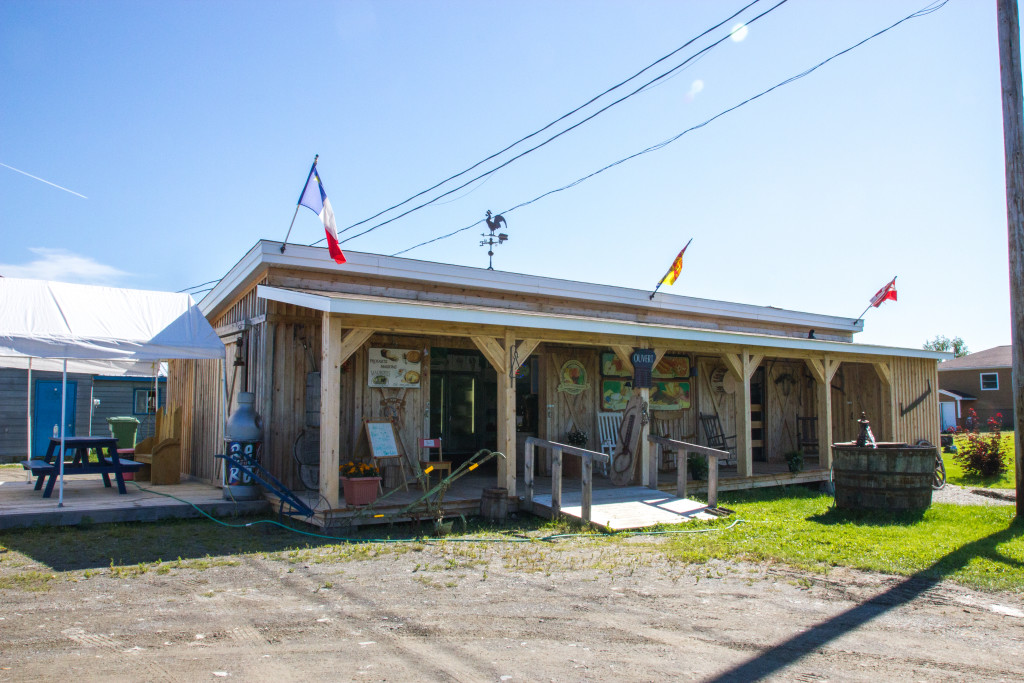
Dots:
{"x": 983, "y": 455}
{"x": 577, "y": 437}
{"x": 795, "y": 460}
{"x": 697, "y": 465}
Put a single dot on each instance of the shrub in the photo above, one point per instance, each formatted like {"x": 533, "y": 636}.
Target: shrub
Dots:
{"x": 795, "y": 460}
{"x": 983, "y": 455}
{"x": 577, "y": 437}
{"x": 697, "y": 465}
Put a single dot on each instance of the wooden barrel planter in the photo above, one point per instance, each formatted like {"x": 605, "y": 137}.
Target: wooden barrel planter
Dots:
{"x": 494, "y": 504}
{"x": 893, "y": 476}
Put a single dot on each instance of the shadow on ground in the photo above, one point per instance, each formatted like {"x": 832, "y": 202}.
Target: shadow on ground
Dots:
{"x": 770, "y": 662}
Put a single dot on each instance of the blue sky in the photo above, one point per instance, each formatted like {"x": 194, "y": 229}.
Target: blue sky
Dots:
{"x": 190, "y": 128}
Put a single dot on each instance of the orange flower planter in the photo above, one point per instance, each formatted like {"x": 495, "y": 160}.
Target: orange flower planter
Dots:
{"x": 360, "y": 490}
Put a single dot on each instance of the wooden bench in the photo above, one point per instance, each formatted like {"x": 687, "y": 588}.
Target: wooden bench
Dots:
{"x": 160, "y": 454}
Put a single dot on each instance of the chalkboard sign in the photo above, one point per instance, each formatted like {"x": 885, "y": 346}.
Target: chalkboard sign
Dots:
{"x": 382, "y": 438}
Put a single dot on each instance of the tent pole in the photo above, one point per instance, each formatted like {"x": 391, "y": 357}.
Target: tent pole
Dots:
{"x": 28, "y": 421}
{"x": 156, "y": 387}
{"x": 63, "y": 419}
{"x": 92, "y": 402}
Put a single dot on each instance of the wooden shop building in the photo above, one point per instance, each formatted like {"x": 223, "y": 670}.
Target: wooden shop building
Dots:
{"x": 483, "y": 359}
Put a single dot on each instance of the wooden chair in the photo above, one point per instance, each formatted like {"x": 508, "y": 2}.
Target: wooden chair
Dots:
{"x": 807, "y": 434}
{"x": 161, "y": 453}
{"x": 441, "y": 466}
{"x": 716, "y": 438}
{"x": 608, "y": 430}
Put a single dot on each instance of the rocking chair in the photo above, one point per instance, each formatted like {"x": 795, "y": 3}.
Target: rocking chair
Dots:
{"x": 716, "y": 438}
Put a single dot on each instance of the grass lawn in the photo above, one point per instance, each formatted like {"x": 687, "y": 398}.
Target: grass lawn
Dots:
{"x": 978, "y": 546}
{"x": 956, "y": 475}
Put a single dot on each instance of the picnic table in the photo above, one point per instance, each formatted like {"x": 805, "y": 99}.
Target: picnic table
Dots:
{"x": 106, "y": 462}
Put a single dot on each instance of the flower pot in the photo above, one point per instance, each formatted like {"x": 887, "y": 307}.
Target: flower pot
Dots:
{"x": 360, "y": 490}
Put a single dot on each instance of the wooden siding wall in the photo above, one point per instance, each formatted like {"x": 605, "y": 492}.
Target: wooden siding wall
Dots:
{"x": 195, "y": 386}
{"x": 789, "y": 392}
{"x": 369, "y": 400}
{"x": 910, "y": 377}
{"x": 560, "y": 411}
{"x": 709, "y": 401}
{"x": 857, "y": 389}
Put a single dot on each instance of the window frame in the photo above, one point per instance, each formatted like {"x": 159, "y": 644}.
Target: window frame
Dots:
{"x": 150, "y": 395}
{"x": 982, "y": 377}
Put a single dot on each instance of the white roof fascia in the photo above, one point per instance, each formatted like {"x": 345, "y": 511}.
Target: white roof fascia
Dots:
{"x": 239, "y": 273}
{"x": 438, "y": 313}
{"x": 955, "y": 397}
{"x": 314, "y": 258}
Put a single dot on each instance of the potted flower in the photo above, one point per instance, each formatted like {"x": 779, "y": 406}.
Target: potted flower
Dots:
{"x": 360, "y": 481}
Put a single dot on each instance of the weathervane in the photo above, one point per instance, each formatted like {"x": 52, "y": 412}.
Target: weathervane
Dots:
{"x": 492, "y": 239}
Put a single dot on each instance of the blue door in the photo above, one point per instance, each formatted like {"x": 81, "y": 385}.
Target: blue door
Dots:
{"x": 46, "y": 414}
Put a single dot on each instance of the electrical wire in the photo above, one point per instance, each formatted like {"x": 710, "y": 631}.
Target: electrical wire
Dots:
{"x": 559, "y": 119}
{"x": 928, "y": 9}
{"x": 201, "y": 284}
{"x": 559, "y": 134}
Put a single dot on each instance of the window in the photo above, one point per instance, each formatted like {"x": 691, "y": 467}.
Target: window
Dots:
{"x": 989, "y": 380}
{"x": 145, "y": 401}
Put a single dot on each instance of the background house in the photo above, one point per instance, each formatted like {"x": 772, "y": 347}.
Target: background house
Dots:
{"x": 982, "y": 381}
{"x": 91, "y": 400}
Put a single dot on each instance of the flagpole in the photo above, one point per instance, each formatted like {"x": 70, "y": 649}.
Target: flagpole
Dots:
{"x": 862, "y": 314}
{"x": 298, "y": 204}
{"x": 658, "y": 286}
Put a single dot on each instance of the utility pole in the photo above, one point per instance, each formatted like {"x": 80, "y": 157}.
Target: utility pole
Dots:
{"x": 1013, "y": 145}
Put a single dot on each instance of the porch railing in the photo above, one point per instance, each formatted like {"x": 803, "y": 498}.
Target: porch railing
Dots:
{"x": 557, "y": 449}
{"x": 682, "y": 448}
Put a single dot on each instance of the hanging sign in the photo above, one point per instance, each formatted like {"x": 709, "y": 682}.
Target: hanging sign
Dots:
{"x": 643, "y": 363}
{"x": 394, "y": 368}
{"x": 572, "y": 378}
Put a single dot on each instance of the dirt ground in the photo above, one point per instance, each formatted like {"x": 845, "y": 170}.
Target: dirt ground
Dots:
{"x": 573, "y": 610}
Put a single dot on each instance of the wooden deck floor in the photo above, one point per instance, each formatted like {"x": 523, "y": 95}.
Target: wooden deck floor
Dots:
{"x": 620, "y": 508}
{"x": 87, "y": 500}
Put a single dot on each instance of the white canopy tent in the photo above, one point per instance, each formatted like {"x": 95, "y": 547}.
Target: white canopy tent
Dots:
{"x": 98, "y": 330}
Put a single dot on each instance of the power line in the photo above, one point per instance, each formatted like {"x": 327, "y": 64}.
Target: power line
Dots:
{"x": 560, "y": 118}
{"x": 182, "y": 291}
{"x": 560, "y": 134}
{"x": 928, "y": 9}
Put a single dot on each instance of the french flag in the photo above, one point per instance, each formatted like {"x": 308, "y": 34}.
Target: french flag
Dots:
{"x": 313, "y": 197}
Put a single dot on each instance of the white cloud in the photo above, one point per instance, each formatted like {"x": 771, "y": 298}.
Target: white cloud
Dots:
{"x": 63, "y": 266}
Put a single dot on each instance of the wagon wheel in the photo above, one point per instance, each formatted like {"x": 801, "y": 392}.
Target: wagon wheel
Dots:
{"x": 306, "y": 453}
{"x": 939, "y": 474}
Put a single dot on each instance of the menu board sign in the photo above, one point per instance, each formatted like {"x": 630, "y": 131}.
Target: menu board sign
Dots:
{"x": 394, "y": 368}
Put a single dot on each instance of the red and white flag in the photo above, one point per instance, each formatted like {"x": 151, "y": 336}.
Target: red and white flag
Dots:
{"x": 314, "y": 197}
{"x": 884, "y": 294}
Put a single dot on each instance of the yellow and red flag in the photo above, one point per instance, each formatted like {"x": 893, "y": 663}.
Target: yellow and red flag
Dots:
{"x": 673, "y": 271}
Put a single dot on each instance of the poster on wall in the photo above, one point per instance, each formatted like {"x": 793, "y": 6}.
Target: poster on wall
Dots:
{"x": 615, "y": 394}
{"x": 612, "y": 366}
{"x": 673, "y": 367}
{"x": 670, "y": 396}
{"x": 394, "y": 368}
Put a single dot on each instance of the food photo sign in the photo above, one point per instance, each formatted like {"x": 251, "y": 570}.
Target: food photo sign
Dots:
{"x": 394, "y": 368}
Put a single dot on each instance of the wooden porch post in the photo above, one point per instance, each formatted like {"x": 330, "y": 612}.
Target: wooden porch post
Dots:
{"x": 330, "y": 409}
{"x": 824, "y": 370}
{"x": 335, "y": 350}
{"x": 888, "y": 417}
{"x": 506, "y": 364}
{"x": 743, "y": 367}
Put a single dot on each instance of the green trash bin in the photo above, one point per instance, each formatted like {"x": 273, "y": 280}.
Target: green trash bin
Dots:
{"x": 124, "y": 430}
